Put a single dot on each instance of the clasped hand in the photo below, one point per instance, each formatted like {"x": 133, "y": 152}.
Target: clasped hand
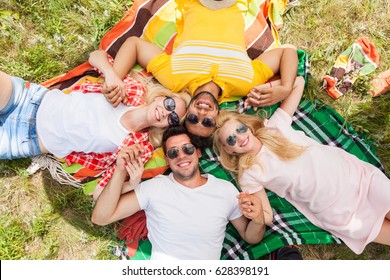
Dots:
{"x": 251, "y": 207}
{"x": 129, "y": 159}
{"x": 114, "y": 89}
{"x": 264, "y": 95}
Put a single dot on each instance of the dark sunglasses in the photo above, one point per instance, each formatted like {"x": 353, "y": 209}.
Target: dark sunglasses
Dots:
{"x": 231, "y": 140}
{"x": 206, "y": 122}
{"x": 188, "y": 149}
{"x": 170, "y": 105}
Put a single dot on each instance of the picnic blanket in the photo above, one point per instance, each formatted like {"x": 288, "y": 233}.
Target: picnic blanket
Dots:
{"x": 154, "y": 20}
{"x": 361, "y": 58}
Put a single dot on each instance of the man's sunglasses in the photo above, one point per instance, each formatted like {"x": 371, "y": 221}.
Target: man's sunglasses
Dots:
{"x": 170, "y": 105}
{"x": 231, "y": 140}
{"x": 188, "y": 149}
{"x": 206, "y": 122}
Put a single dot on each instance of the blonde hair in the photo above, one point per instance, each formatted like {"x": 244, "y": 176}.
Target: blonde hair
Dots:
{"x": 154, "y": 90}
{"x": 269, "y": 137}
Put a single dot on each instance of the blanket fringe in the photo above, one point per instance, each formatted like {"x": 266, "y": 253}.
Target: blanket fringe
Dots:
{"x": 51, "y": 163}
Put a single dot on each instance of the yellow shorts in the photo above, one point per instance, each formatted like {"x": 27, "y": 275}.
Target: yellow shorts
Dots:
{"x": 161, "y": 68}
{"x": 262, "y": 72}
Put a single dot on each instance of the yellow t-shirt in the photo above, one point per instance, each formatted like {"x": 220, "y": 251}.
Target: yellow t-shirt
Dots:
{"x": 210, "y": 46}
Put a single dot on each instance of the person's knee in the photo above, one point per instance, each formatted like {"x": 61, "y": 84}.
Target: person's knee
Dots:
{"x": 288, "y": 46}
{"x": 134, "y": 40}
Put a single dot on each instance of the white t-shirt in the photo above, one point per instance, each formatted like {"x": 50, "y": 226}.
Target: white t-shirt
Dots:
{"x": 79, "y": 122}
{"x": 185, "y": 223}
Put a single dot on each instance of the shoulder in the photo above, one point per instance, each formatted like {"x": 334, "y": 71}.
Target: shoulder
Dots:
{"x": 221, "y": 184}
{"x": 250, "y": 179}
{"x": 157, "y": 181}
{"x": 279, "y": 117}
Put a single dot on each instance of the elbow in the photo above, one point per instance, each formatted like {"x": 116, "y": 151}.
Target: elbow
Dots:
{"x": 95, "y": 219}
{"x": 256, "y": 239}
{"x": 268, "y": 218}
{"x": 253, "y": 242}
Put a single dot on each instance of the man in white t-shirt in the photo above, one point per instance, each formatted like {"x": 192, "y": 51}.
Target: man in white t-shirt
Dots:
{"x": 186, "y": 212}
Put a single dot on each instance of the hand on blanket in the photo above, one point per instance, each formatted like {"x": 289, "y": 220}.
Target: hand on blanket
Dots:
{"x": 266, "y": 95}
{"x": 251, "y": 207}
{"x": 114, "y": 90}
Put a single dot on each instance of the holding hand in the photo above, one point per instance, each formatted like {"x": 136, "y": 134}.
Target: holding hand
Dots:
{"x": 129, "y": 159}
{"x": 251, "y": 207}
{"x": 114, "y": 90}
{"x": 128, "y": 154}
{"x": 266, "y": 95}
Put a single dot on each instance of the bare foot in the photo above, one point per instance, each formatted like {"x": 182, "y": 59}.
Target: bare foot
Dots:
{"x": 380, "y": 84}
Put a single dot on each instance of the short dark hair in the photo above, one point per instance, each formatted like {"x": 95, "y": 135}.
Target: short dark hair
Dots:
{"x": 173, "y": 131}
{"x": 201, "y": 141}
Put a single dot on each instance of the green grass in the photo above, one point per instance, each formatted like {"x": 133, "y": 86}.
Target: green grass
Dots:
{"x": 41, "y": 219}
{"x": 39, "y": 39}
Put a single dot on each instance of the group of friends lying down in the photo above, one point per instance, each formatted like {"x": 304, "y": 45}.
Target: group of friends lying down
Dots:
{"x": 186, "y": 211}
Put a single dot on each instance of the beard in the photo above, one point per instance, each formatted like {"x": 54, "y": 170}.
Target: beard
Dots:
{"x": 203, "y": 93}
{"x": 186, "y": 175}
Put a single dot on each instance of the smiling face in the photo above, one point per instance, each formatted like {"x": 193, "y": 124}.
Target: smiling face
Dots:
{"x": 201, "y": 114}
{"x": 184, "y": 166}
{"x": 236, "y": 139}
{"x": 160, "y": 113}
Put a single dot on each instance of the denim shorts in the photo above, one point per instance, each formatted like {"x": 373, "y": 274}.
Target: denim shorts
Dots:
{"x": 18, "y": 134}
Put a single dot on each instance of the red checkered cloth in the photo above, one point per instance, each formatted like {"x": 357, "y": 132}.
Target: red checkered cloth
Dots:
{"x": 106, "y": 161}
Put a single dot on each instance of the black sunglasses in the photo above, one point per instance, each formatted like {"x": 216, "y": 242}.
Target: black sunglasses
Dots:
{"x": 231, "y": 140}
{"x": 170, "y": 105}
{"x": 206, "y": 122}
{"x": 188, "y": 149}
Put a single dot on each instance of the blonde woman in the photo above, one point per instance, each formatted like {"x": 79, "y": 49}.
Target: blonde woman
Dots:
{"x": 334, "y": 189}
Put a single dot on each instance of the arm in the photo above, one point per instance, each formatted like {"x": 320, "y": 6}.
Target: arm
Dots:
{"x": 112, "y": 205}
{"x": 134, "y": 50}
{"x": 267, "y": 209}
{"x": 290, "y": 104}
{"x": 264, "y": 95}
{"x": 282, "y": 60}
{"x": 250, "y": 226}
{"x": 113, "y": 87}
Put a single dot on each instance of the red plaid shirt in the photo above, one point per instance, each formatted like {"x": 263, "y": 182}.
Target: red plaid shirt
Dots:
{"x": 106, "y": 161}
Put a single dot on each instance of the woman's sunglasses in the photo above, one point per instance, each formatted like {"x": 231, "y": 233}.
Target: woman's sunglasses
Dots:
{"x": 206, "y": 122}
{"x": 170, "y": 105}
{"x": 231, "y": 140}
{"x": 188, "y": 149}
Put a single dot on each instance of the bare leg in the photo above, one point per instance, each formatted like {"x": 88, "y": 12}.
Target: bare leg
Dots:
{"x": 284, "y": 60}
{"x": 384, "y": 234}
{"x": 5, "y": 89}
